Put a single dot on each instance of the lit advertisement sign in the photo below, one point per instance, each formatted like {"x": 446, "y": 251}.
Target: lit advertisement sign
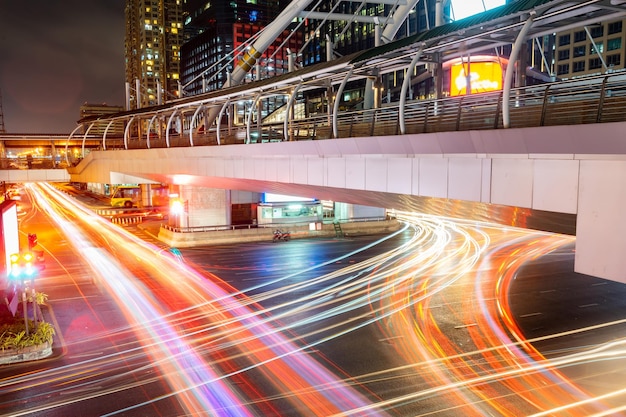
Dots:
{"x": 484, "y": 77}
{"x": 280, "y": 198}
{"x": 10, "y": 240}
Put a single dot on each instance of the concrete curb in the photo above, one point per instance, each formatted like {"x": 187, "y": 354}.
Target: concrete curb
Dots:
{"x": 31, "y": 353}
{"x": 219, "y": 237}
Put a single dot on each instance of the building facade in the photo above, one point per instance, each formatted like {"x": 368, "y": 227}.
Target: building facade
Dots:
{"x": 594, "y": 50}
{"x": 356, "y": 36}
{"x": 216, "y": 34}
{"x": 91, "y": 110}
{"x": 154, "y": 36}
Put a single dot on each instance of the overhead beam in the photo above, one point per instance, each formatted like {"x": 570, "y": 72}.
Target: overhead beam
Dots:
{"x": 345, "y": 17}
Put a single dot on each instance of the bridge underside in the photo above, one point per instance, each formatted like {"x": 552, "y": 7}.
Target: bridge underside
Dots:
{"x": 512, "y": 176}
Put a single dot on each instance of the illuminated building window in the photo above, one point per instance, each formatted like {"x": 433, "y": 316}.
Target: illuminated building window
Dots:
{"x": 593, "y": 50}
{"x": 614, "y": 44}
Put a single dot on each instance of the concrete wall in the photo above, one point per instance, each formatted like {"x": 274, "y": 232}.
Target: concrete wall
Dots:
{"x": 185, "y": 240}
{"x": 30, "y": 175}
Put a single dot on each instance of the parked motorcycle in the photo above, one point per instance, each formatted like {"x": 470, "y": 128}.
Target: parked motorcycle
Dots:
{"x": 280, "y": 235}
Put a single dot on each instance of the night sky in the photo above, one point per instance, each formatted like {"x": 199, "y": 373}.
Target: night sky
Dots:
{"x": 56, "y": 55}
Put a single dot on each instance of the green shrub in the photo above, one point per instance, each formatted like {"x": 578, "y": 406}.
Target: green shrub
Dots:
{"x": 13, "y": 335}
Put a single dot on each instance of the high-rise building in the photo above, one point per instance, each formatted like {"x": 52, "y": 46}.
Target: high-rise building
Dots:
{"x": 154, "y": 35}
{"x": 215, "y": 36}
{"x": 592, "y": 50}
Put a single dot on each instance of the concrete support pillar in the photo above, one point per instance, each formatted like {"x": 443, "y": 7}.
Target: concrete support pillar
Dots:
{"x": 203, "y": 207}
{"x": 146, "y": 195}
{"x": 600, "y": 226}
{"x": 346, "y": 211}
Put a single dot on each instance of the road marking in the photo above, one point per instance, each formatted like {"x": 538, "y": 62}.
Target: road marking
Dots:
{"x": 531, "y": 314}
{"x": 389, "y": 339}
{"x": 588, "y": 305}
{"x": 74, "y": 298}
{"x": 253, "y": 272}
{"x": 463, "y": 326}
{"x": 86, "y": 355}
{"x": 546, "y": 291}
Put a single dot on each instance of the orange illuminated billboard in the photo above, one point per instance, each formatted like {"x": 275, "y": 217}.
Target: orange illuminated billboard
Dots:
{"x": 484, "y": 75}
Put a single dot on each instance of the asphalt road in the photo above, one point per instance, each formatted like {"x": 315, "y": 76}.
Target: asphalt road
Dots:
{"x": 397, "y": 330}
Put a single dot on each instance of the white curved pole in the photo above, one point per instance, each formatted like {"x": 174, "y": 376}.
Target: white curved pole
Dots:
{"x": 508, "y": 76}
{"x": 167, "y": 128}
{"x": 82, "y": 150}
{"x": 104, "y": 135}
{"x": 288, "y": 113}
{"x": 338, "y": 99}
{"x": 67, "y": 143}
{"x": 150, "y": 127}
{"x": 219, "y": 121}
{"x": 249, "y": 118}
{"x": 126, "y": 132}
{"x": 191, "y": 124}
{"x": 405, "y": 88}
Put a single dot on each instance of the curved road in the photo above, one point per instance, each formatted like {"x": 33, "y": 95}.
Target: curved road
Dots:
{"x": 429, "y": 321}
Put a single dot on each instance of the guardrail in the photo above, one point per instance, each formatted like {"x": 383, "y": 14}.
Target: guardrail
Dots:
{"x": 35, "y": 163}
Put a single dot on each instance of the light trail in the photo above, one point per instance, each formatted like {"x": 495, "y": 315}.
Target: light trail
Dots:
{"x": 440, "y": 300}
{"x": 197, "y": 384}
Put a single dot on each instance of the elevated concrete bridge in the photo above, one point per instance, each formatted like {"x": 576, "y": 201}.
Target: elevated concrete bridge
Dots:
{"x": 579, "y": 171}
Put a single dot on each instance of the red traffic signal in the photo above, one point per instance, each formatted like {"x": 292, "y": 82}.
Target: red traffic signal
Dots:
{"x": 32, "y": 240}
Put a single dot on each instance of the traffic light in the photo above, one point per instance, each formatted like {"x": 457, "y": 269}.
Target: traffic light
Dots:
{"x": 28, "y": 265}
{"x": 15, "y": 270}
{"x": 22, "y": 266}
{"x": 32, "y": 241}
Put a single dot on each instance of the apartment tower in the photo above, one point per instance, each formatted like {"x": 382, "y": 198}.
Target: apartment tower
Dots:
{"x": 154, "y": 36}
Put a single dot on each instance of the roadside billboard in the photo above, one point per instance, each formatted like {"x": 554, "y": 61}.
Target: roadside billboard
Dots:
{"x": 10, "y": 239}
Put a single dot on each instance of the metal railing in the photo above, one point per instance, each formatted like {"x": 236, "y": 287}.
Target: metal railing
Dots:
{"x": 597, "y": 99}
{"x": 35, "y": 163}
{"x": 267, "y": 226}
